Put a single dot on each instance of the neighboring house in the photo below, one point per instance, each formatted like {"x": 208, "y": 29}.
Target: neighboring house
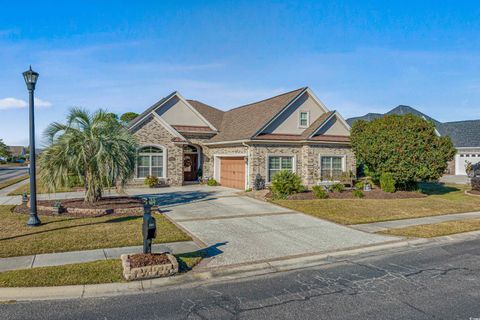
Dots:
{"x": 17, "y": 151}
{"x": 465, "y": 136}
{"x": 181, "y": 140}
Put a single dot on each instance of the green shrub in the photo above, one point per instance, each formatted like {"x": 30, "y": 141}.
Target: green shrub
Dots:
{"x": 475, "y": 181}
{"x": 320, "y": 192}
{"x": 338, "y": 187}
{"x": 358, "y": 194}
{"x": 405, "y": 145}
{"x": 359, "y": 185}
{"x": 212, "y": 182}
{"x": 151, "y": 181}
{"x": 74, "y": 181}
{"x": 285, "y": 183}
{"x": 387, "y": 182}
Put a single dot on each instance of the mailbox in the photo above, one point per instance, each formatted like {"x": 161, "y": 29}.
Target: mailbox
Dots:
{"x": 149, "y": 229}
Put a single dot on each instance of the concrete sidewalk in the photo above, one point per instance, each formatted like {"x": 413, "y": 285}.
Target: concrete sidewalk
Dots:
{"x": 395, "y": 224}
{"x": 62, "y": 258}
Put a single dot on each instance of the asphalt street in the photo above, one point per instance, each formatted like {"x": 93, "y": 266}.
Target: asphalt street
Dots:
{"x": 432, "y": 282}
{"x": 7, "y": 173}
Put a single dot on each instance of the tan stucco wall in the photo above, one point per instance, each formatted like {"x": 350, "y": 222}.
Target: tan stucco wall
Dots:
{"x": 334, "y": 127}
{"x": 151, "y": 132}
{"x": 176, "y": 112}
{"x": 289, "y": 120}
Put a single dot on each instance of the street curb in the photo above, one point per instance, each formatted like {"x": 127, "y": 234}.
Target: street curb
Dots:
{"x": 206, "y": 276}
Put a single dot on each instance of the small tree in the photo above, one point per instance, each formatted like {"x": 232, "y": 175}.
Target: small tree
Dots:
{"x": 96, "y": 148}
{"x": 405, "y": 146}
{"x": 4, "y": 151}
{"x": 128, "y": 116}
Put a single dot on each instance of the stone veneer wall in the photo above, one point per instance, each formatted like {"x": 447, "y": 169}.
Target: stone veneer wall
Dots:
{"x": 153, "y": 133}
{"x": 210, "y": 152}
{"x": 307, "y": 159}
{"x": 313, "y": 153}
{"x": 260, "y": 152}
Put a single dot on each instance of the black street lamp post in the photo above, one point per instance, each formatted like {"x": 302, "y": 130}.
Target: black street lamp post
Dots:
{"x": 31, "y": 77}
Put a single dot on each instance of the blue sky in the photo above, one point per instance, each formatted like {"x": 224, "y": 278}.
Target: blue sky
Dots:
{"x": 358, "y": 56}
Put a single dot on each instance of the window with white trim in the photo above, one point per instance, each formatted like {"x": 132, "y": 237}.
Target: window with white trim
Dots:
{"x": 304, "y": 119}
{"x": 279, "y": 163}
{"x": 150, "y": 162}
{"x": 331, "y": 168}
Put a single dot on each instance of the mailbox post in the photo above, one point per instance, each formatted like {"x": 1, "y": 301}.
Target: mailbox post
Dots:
{"x": 149, "y": 229}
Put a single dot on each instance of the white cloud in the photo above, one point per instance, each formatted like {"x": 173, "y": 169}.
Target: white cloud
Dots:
{"x": 39, "y": 103}
{"x": 14, "y": 103}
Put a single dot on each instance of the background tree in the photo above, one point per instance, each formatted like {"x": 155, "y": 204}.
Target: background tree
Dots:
{"x": 4, "y": 151}
{"x": 405, "y": 146}
{"x": 96, "y": 148}
{"x": 128, "y": 116}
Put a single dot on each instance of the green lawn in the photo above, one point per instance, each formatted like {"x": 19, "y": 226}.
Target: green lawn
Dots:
{"x": 63, "y": 233}
{"x": 40, "y": 189}
{"x": 440, "y": 200}
{"x": 10, "y": 182}
{"x": 436, "y": 229}
{"x": 104, "y": 271}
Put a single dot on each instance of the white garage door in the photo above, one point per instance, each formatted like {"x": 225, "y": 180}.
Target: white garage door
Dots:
{"x": 462, "y": 159}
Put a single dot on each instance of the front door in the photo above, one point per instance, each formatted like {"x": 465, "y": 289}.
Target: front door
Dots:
{"x": 190, "y": 167}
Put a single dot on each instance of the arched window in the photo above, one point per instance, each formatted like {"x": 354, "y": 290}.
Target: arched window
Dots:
{"x": 150, "y": 162}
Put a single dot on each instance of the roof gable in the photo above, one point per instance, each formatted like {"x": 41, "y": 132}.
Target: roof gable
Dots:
{"x": 245, "y": 121}
{"x": 287, "y": 121}
{"x": 174, "y": 108}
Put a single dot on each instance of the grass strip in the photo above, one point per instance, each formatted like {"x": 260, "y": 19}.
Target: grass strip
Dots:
{"x": 96, "y": 272}
{"x": 436, "y": 229}
{"x": 10, "y": 182}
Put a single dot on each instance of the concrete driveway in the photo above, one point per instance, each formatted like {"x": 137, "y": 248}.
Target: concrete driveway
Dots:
{"x": 239, "y": 229}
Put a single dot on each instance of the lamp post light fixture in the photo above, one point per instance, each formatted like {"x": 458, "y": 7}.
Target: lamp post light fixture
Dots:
{"x": 31, "y": 77}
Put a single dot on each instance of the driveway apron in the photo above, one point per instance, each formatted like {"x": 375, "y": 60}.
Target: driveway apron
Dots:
{"x": 239, "y": 229}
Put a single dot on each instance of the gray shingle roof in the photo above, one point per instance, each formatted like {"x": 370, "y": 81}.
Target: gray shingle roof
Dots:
{"x": 464, "y": 134}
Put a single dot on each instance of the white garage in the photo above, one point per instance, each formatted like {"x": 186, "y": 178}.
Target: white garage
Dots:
{"x": 463, "y": 158}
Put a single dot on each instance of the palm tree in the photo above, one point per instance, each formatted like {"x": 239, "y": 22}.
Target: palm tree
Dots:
{"x": 96, "y": 148}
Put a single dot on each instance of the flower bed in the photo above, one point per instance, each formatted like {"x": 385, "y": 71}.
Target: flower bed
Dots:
{"x": 348, "y": 194}
{"x": 146, "y": 266}
{"x": 77, "y": 207}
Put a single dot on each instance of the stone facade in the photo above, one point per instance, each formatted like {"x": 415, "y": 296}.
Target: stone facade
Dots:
{"x": 306, "y": 159}
{"x": 306, "y": 156}
{"x": 152, "y": 133}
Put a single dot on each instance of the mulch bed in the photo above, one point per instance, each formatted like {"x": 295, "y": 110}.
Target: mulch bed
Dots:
{"x": 475, "y": 192}
{"x": 347, "y": 194}
{"x": 148, "y": 259}
{"x": 78, "y": 205}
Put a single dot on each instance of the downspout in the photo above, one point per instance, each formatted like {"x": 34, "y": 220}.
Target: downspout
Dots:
{"x": 248, "y": 164}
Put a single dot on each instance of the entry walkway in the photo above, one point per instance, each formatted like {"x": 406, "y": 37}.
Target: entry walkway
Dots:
{"x": 382, "y": 226}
